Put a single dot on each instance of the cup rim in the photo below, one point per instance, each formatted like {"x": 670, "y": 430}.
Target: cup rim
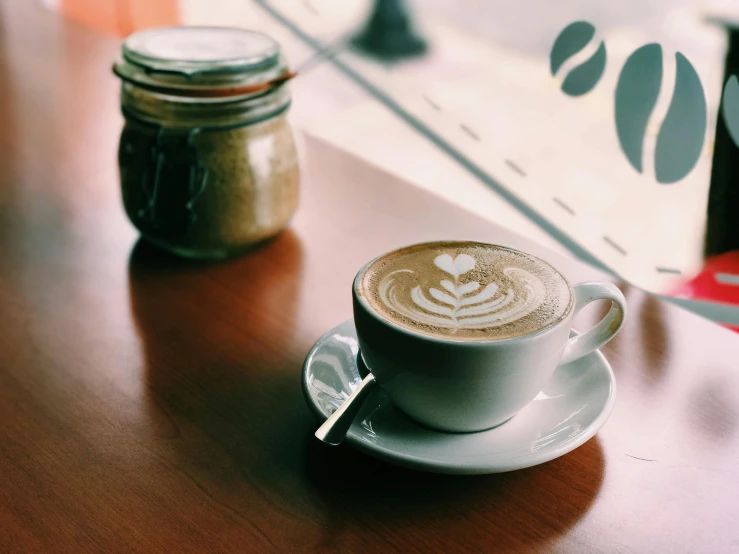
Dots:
{"x": 459, "y": 341}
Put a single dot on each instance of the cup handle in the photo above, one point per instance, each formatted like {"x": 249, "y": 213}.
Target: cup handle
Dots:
{"x": 606, "y": 329}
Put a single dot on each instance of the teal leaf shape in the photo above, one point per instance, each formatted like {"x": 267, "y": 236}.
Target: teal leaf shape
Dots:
{"x": 636, "y": 95}
{"x": 569, "y": 42}
{"x": 730, "y": 108}
{"x": 680, "y": 139}
{"x": 585, "y": 76}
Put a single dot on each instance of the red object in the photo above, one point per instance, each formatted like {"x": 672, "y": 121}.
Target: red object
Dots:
{"x": 718, "y": 281}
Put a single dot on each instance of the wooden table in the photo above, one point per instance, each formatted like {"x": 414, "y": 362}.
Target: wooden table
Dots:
{"x": 149, "y": 404}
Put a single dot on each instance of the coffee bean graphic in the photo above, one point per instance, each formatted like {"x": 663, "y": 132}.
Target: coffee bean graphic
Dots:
{"x": 730, "y": 108}
{"x": 682, "y": 133}
{"x": 570, "y": 41}
{"x": 636, "y": 95}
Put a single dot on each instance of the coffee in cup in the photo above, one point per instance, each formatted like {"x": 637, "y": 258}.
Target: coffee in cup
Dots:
{"x": 462, "y": 335}
{"x": 470, "y": 291}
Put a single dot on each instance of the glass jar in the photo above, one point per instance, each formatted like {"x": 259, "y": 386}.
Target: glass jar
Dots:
{"x": 207, "y": 159}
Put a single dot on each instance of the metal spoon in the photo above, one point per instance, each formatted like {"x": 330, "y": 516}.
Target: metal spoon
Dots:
{"x": 334, "y": 429}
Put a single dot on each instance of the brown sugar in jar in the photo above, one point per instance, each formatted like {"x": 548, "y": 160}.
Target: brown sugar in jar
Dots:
{"x": 207, "y": 159}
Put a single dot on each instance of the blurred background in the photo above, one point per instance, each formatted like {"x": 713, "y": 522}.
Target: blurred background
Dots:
{"x": 471, "y": 101}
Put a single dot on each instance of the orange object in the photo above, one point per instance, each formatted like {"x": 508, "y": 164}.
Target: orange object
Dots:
{"x": 104, "y": 15}
{"x": 143, "y": 14}
{"x": 121, "y": 17}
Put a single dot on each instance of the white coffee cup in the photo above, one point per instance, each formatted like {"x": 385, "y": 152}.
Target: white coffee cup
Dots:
{"x": 460, "y": 385}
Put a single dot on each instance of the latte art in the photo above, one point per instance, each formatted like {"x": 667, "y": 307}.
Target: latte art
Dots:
{"x": 460, "y": 306}
{"x": 465, "y": 290}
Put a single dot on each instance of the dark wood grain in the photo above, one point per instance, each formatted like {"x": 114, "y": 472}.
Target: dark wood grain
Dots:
{"x": 150, "y": 404}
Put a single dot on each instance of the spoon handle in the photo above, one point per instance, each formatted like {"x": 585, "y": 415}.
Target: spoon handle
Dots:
{"x": 334, "y": 429}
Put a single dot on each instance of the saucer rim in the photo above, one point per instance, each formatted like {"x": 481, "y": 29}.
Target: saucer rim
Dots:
{"x": 463, "y": 466}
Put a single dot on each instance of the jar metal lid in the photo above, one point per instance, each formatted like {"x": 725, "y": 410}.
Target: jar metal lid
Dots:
{"x": 202, "y": 61}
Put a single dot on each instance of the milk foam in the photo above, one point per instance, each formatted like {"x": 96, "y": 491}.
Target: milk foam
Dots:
{"x": 467, "y": 290}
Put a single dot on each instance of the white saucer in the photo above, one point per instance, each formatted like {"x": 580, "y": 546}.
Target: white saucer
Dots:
{"x": 569, "y": 411}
